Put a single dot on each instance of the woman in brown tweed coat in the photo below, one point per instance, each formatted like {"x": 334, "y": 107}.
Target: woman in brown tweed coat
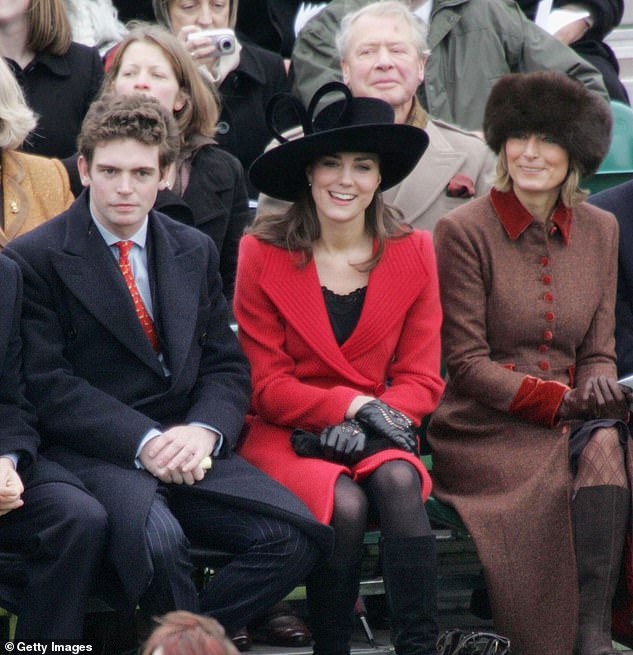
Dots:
{"x": 527, "y": 445}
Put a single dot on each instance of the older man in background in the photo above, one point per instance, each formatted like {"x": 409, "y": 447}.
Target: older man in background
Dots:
{"x": 382, "y": 53}
{"x": 472, "y": 43}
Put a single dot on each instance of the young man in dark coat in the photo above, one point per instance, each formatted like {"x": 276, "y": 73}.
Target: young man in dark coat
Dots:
{"x": 45, "y": 512}
{"x": 141, "y": 387}
{"x": 619, "y": 201}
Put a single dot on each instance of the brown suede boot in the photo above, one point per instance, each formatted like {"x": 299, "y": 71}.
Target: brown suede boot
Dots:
{"x": 600, "y": 516}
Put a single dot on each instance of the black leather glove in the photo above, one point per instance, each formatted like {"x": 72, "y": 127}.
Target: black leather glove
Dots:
{"x": 381, "y": 420}
{"x": 343, "y": 442}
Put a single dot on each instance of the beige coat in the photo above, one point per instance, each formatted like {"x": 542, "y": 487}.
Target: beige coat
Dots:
{"x": 34, "y": 188}
{"x": 421, "y": 196}
{"x": 529, "y": 305}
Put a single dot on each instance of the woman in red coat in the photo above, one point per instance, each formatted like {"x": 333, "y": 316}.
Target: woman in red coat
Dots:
{"x": 338, "y": 311}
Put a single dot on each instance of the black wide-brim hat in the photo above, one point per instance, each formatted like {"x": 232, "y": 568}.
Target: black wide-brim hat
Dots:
{"x": 348, "y": 125}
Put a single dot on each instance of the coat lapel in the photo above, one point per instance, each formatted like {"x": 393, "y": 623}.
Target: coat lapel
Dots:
{"x": 432, "y": 174}
{"x": 89, "y": 271}
{"x": 389, "y": 294}
{"x": 305, "y": 311}
{"x": 177, "y": 275}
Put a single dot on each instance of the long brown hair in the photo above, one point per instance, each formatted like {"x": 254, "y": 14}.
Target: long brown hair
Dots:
{"x": 299, "y": 227}
{"x": 49, "y": 28}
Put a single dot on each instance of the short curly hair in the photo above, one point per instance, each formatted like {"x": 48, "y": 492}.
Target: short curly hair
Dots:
{"x": 136, "y": 117}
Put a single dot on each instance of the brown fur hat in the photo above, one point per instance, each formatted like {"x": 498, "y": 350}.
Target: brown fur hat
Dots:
{"x": 551, "y": 103}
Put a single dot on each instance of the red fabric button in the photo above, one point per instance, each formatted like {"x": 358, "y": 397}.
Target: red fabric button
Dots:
{"x": 549, "y": 316}
{"x": 543, "y": 348}
{"x": 548, "y": 335}
{"x": 547, "y": 279}
{"x": 544, "y": 260}
{"x": 549, "y": 296}
{"x": 544, "y": 366}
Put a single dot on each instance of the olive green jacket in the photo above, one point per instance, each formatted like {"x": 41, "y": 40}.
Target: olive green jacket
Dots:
{"x": 472, "y": 43}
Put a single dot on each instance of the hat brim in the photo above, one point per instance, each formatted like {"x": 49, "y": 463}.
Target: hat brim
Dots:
{"x": 281, "y": 171}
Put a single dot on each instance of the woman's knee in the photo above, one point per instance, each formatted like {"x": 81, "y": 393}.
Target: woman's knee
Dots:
{"x": 604, "y": 443}
{"x": 605, "y": 438}
{"x": 602, "y": 460}
{"x": 350, "y": 502}
{"x": 396, "y": 479}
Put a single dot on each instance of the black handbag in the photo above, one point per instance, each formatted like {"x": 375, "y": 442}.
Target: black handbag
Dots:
{"x": 463, "y": 642}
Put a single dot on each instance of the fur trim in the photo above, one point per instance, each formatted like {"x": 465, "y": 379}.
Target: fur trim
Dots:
{"x": 550, "y": 102}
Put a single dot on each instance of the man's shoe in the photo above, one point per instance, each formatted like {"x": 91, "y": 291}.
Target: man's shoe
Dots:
{"x": 280, "y": 626}
{"x": 242, "y": 639}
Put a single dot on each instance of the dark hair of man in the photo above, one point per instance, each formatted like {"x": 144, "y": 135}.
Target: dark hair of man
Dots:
{"x": 137, "y": 117}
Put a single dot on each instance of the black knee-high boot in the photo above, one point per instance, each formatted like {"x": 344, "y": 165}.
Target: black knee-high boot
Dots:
{"x": 600, "y": 516}
{"x": 409, "y": 567}
{"x": 331, "y": 594}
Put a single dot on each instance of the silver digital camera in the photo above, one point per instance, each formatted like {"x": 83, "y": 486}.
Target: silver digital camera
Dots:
{"x": 223, "y": 39}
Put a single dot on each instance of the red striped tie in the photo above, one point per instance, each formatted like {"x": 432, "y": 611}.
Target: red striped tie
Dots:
{"x": 141, "y": 311}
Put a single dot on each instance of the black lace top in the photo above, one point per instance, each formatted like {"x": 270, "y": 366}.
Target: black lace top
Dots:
{"x": 344, "y": 311}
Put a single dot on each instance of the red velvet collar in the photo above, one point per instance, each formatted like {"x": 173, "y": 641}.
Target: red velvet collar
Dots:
{"x": 515, "y": 218}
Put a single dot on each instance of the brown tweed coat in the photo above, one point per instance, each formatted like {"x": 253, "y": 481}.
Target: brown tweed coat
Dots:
{"x": 519, "y": 299}
{"x": 34, "y": 189}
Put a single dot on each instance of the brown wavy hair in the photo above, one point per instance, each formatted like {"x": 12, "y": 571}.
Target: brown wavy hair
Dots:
{"x": 299, "y": 227}
{"x": 138, "y": 117}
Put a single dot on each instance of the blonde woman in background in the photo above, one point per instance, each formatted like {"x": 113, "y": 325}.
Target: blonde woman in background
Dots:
{"x": 33, "y": 188}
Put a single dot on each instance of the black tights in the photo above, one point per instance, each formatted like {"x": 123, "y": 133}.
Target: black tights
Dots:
{"x": 393, "y": 491}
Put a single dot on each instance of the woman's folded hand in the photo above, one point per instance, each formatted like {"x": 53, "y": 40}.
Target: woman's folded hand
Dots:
{"x": 599, "y": 397}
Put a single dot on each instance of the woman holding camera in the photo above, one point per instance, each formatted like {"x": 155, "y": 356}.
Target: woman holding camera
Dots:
{"x": 246, "y": 75}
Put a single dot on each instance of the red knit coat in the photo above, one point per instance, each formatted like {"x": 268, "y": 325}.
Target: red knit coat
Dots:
{"x": 303, "y": 379}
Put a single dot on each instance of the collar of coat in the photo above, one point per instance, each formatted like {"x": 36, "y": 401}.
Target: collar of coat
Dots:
{"x": 250, "y": 64}
{"x": 417, "y": 116}
{"x": 515, "y": 218}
